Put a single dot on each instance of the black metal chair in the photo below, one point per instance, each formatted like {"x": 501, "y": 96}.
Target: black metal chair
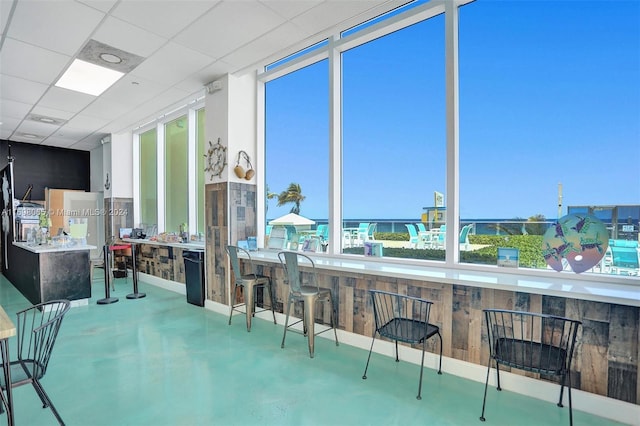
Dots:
{"x": 37, "y": 329}
{"x": 251, "y": 282}
{"x": 308, "y": 294}
{"x": 533, "y": 342}
{"x": 403, "y": 319}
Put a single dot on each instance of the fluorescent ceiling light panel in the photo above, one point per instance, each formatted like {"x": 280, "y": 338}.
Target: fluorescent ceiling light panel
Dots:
{"x": 88, "y": 78}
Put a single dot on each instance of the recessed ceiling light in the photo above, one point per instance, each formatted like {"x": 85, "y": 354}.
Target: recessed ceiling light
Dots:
{"x": 88, "y": 78}
{"x": 111, "y": 58}
{"x": 47, "y": 120}
{"x": 30, "y": 135}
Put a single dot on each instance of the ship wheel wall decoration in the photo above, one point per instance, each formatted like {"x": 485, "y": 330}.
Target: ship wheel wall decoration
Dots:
{"x": 216, "y": 158}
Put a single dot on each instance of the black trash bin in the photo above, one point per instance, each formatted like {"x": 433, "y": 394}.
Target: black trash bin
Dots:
{"x": 194, "y": 274}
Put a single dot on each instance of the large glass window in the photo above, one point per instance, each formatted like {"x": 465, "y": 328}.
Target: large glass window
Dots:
{"x": 149, "y": 178}
{"x": 549, "y": 107}
{"x": 394, "y": 142}
{"x": 297, "y": 146}
{"x": 176, "y": 182}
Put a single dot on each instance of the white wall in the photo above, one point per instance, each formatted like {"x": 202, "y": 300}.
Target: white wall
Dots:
{"x": 121, "y": 162}
{"x": 97, "y": 175}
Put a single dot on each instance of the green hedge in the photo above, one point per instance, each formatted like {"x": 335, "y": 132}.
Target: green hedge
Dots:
{"x": 530, "y": 249}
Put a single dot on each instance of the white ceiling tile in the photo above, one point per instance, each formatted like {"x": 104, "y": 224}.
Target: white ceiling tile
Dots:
{"x": 59, "y": 142}
{"x": 289, "y": 9}
{"x": 30, "y": 62}
{"x": 5, "y": 11}
{"x": 36, "y": 128}
{"x": 213, "y": 35}
{"x": 9, "y": 124}
{"x": 102, "y": 5}
{"x": 21, "y": 90}
{"x": 61, "y": 26}
{"x": 14, "y": 109}
{"x": 52, "y": 112}
{"x": 162, "y": 17}
{"x": 264, "y": 46}
{"x": 171, "y": 64}
{"x": 132, "y": 90}
{"x": 105, "y": 108}
{"x": 85, "y": 122}
{"x": 127, "y": 37}
{"x": 67, "y": 131}
{"x": 331, "y": 13}
{"x": 206, "y": 75}
{"x": 66, "y": 100}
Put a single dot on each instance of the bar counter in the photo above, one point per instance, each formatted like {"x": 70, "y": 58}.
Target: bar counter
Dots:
{"x": 44, "y": 273}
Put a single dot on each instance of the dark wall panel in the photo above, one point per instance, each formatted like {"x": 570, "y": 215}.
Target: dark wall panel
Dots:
{"x": 46, "y": 167}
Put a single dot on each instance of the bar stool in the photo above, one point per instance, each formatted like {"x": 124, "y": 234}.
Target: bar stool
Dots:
{"x": 308, "y": 295}
{"x": 250, "y": 282}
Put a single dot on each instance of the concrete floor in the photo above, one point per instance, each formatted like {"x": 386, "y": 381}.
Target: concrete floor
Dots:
{"x": 161, "y": 361}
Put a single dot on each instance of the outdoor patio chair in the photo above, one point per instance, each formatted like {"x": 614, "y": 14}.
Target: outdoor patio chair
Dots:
{"x": 405, "y": 319}
{"x": 250, "y": 283}
{"x": 625, "y": 257}
{"x": 323, "y": 232}
{"x": 37, "y": 329}
{"x": 363, "y": 233}
{"x": 532, "y": 342}
{"x": 464, "y": 237}
{"x": 414, "y": 238}
{"x": 308, "y": 293}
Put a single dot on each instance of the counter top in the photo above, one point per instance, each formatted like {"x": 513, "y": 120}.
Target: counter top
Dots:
{"x": 609, "y": 289}
{"x": 52, "y": 249}
{"x": 189, "y": 245}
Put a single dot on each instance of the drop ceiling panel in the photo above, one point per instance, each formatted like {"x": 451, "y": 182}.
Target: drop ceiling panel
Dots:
{"x": 102, "y": 5}
{"x": 85, "y": 122}
{"x": 5, "y": 10}
{"x": 331, "y": 13}
{"x": 61, "y": 26}
{"x": 10, "y": 124}
{"x": 270, "y": 42}
{"x": 165, "y": 18}
{"x": 127, "y": 37}
{"x": 36, "y": 128}
{"x": 21, "y": 90}
{"x": 52, "y": 112}
{"x": 289, "y": 9}
{"x": 66, "y": 100}
{"x": 171, "y": 64}
{"x": 106, "y": 109}
{"x": 212, "y": 34}
{"x": 210, "y": 73}
{"x": 67, "y": 131}
{"x": 14, "y": 109}
{"x": 132, "y": 91}
{"x": 30, "y": 62}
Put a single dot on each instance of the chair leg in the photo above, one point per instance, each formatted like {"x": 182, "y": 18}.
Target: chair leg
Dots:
{"x": 440, "y": 365}
{"x": 286, "y": 322}
{"x": 233, "y": 301}
{"x": 397, "y": 359}
{"x": 486, "y": 384}
{"x": 424, "y": 347}
{"x": 272, "y": 301}
{"x": 333, "y": 320}
{"x": 47, "y": 401}
{"x": 364, "y": 376}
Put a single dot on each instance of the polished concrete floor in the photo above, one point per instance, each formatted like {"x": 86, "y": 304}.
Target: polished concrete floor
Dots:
{"x": 161, "y": 361}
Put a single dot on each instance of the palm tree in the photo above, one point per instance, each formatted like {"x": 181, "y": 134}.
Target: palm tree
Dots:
{"x": 293, "y": 194}
{"x": 270, "y": 195}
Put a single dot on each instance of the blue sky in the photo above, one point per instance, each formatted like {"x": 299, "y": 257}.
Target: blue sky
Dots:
{"x": 549, "y": 93}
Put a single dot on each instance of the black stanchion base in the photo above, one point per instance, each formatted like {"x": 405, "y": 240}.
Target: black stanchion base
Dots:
{"x": 136, "y": 295}
{"x": 107, "y": 300}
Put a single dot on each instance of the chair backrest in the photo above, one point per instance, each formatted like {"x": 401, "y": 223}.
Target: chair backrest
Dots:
{"x": 37, "y": 329}
{"x": 464, "y": 234}
{"x": 442, "y": 234}
{"x": 289, "y": 261}
{"x": 421, "y": 227}
{"x": 371, "y": 230}
{"x": 323, "y": 232}
{"x": 278, "y": 238}
{"x": 531, "y": 341}
{"x": 400, "y": 317}
{"x": 363, "y": 229}
{"x": 267, "y": 230}
{"x": 232, "y": 252}
{"x": 413, "y": 234}
{"x": 624, "y": 254}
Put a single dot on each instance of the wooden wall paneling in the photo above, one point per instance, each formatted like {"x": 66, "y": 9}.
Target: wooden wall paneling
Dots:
{"x": 460, "y": 322}
{"x": 623, "y": 350}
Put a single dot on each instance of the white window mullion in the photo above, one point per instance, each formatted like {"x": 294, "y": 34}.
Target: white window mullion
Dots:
{"x": 192, "y": 167}
{"x": 136, "y": 179}
{"x": 161, "y": 177}
{"x": 335, "y": 149}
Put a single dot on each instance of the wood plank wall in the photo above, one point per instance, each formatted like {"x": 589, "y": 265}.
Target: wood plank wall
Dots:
{"x": 606, "y": 358}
